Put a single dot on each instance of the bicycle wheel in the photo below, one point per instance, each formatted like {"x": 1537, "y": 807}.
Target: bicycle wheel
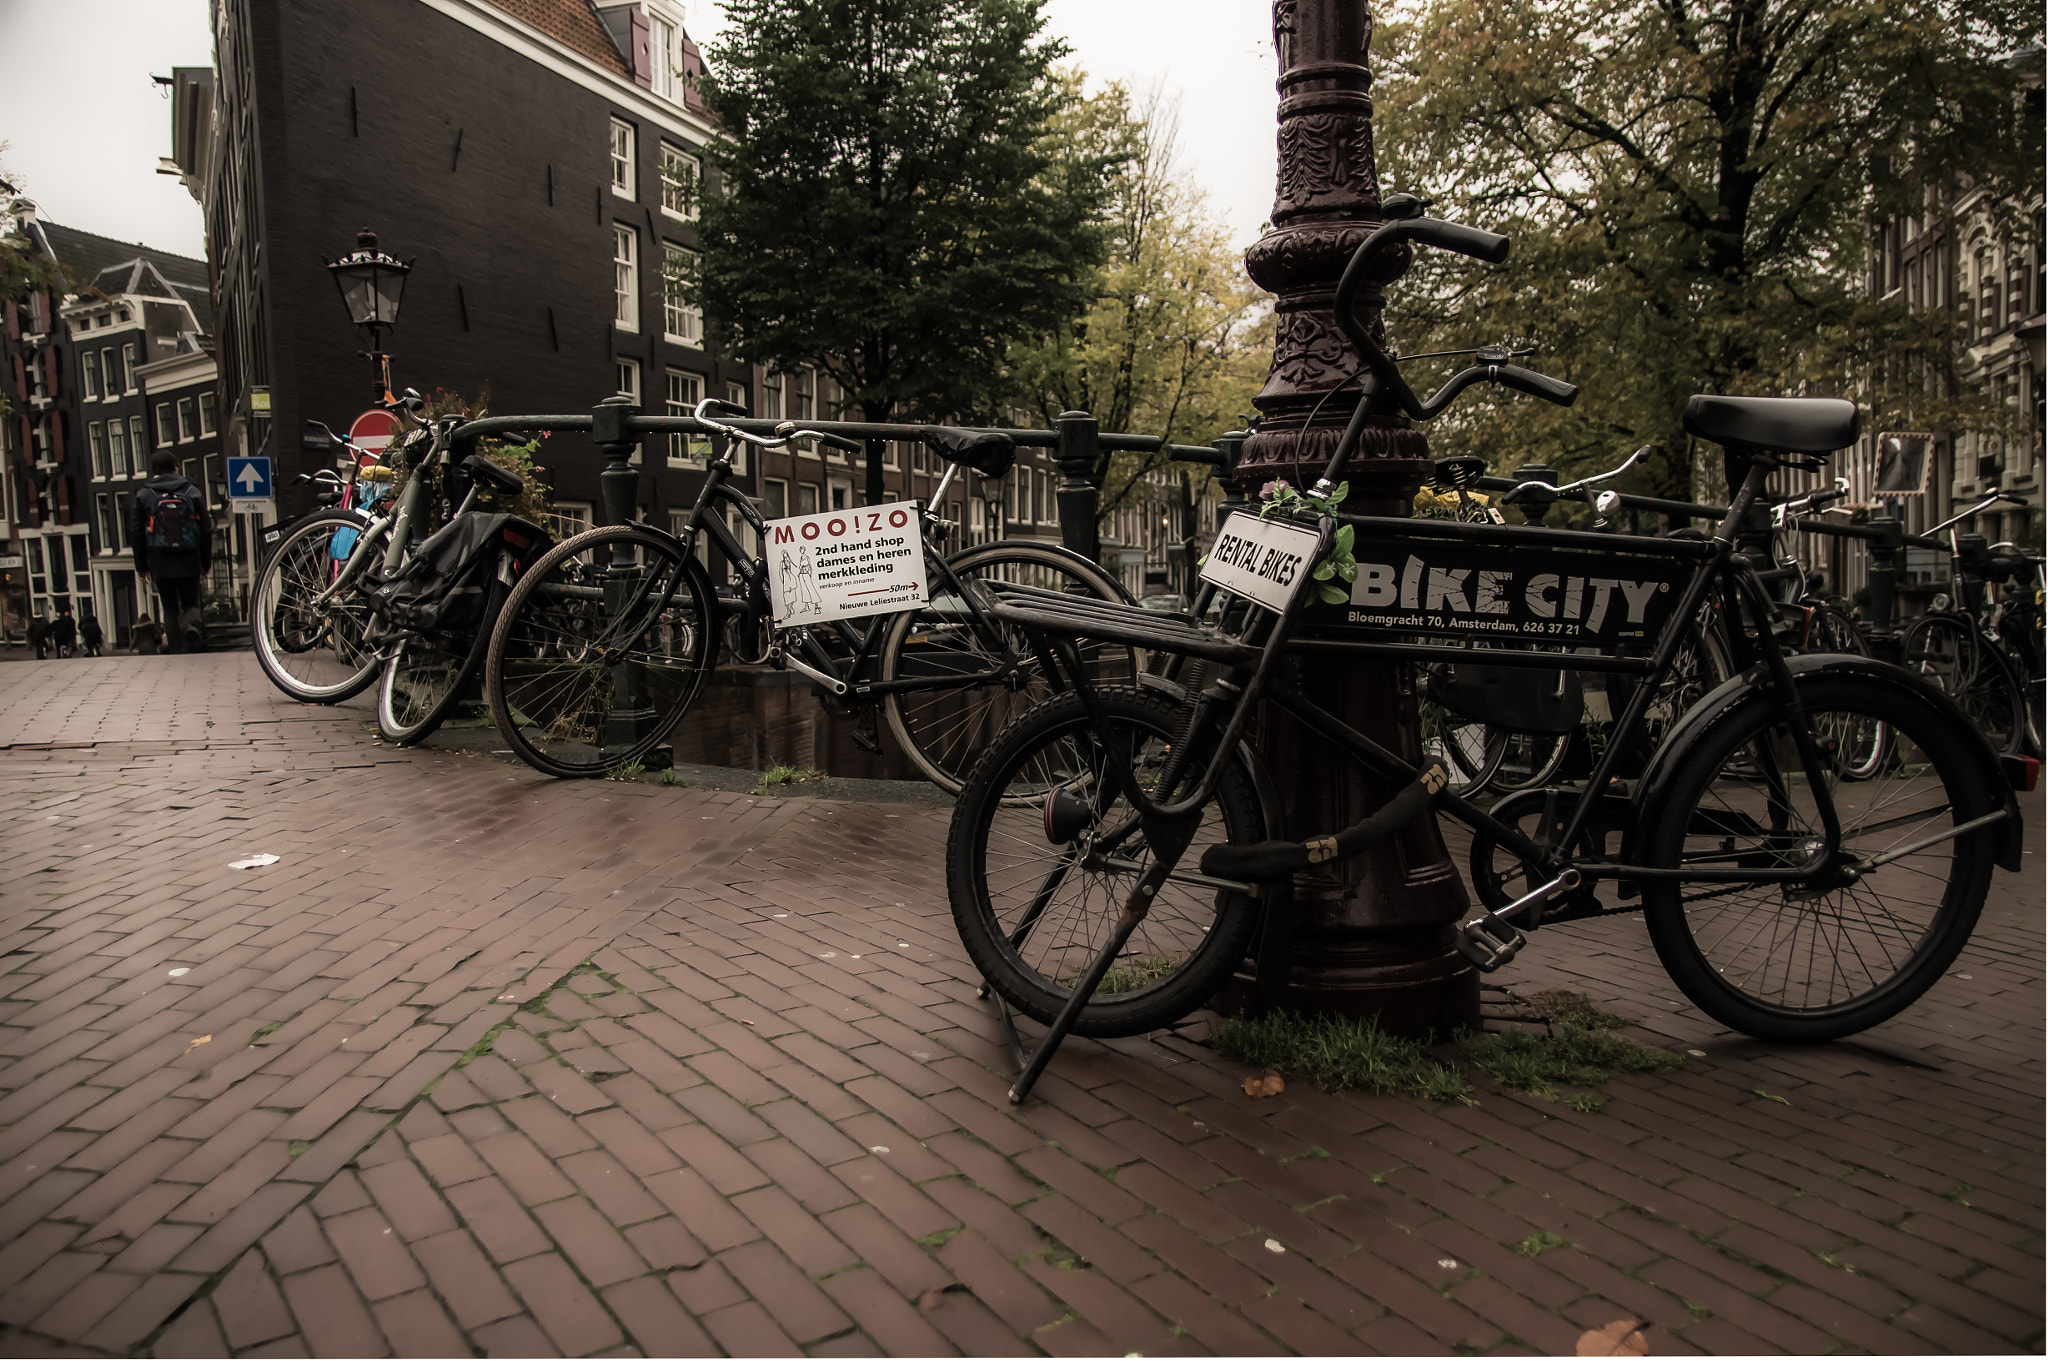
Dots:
{"x": 944, "y": 728}
{"x": 427, "y": 675}
{"x": 601, "y": 646}
{"x": 1700, "y": 664}
{"x": 1784, "y": 963}
{"x": 1946, "y": 650}
{"x": 1529, "y": 760}
{"x": 1034, "y": 914}
{"x": 316, "y": 655}
{"x": 1470, "y": 750}
{"x": 1865, "y": 747}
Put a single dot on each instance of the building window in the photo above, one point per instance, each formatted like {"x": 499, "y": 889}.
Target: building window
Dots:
{"x": 164, "y": 434}
{"x": 775, "y": 500}
{"x": 123, "y": 503}
{"x": 96, "y": 436}
{"x": 685, "y": 390}
{"x": 569, "y": 517}
{"x": 628, "y": 371}
{"x": 208, "y": 420}
{"x": 801, "y": 399}
{"x": 117, "y": 446}
{"x": 188, "y": 425}
{"x": 109, "y": 540}
{"x": 771, "y": 396}
{"x": 626, "y": 276}
{"x": 680, "y": 174}
{"x": 110, "y": 377}
{"x": 681, "y": 319}
{"x": 622, "y": 159}
{"x": 127, "y": 368}
{"x": 807, "y": 499}
{"x": 135, "y": 446}
{"x": 661, "y": 44}
{"x": 90, "y": 364}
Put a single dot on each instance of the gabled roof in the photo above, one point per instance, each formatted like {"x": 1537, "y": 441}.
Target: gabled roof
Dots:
{"x": 574, "y": 24}
{"x": 125, "y": 267}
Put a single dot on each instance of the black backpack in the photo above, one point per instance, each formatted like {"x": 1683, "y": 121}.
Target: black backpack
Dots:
{"x": 173, "y": 525}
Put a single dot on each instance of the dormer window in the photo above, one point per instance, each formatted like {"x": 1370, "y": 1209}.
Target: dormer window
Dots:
{"x": 661, "y": 44}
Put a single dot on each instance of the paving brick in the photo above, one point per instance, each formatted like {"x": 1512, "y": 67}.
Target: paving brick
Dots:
{"x": 614, "y": 1190}
{"x": 141, "y": 1313}
{"x": 332, "y": 1317}
{"x": 574, "y": 1318}
{"x": 524, "y": 1168}
{"x": 297, "y": 1244}
{"x": 793, "y": 1229}
{"x": 653, "y": 1319}
{"x": 514, "y": 1337}
{"x": 75, "y": 1312}
{"x": 600, "y": 1252}
{"x": 494, "y": 1215}
{"x": 264, "y": 1209}
{"x": 250, "y": 1307}
{"x": 1184, "y": 1305}
{"x": 413, "y": 1207}
{"x": 194, "y": 1333}
{"x": 996, "y": 1283}
{"x": 709, "y": 1215}
{"x": 799, "y": 1307}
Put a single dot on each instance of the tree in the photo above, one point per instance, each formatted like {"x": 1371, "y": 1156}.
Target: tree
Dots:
{"x": 1688, "y": 183}
{"x": 1176, "y": 340}
{"x": 891, "y": 206}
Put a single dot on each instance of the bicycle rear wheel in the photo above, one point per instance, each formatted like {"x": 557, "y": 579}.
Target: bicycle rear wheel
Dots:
{"x": 1470, "y": 750}
{"x": 427, "y": 676}
{"x": 1786, "y": 963}
{"x": 944, "y": 728}
{"x": 1945, "y": 649}
{"x": 1034, "y": 913}
{"x": 602, "y": 645}
{"x": 315, "y": 654}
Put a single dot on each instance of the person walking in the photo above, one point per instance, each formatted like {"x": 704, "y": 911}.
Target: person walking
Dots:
{"x": 173, "y": 547}
{"x": 90, "y": 634}
{"x": 64, "y": 630}
{"x": 39, "y": 636}
{"x": 148, "y": 640}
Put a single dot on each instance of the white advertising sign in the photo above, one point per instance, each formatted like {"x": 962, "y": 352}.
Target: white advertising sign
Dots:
{"x": 1260, "y": 559}
{"x": 842, "y": 563}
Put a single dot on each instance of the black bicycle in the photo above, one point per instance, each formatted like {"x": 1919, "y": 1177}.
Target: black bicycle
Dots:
{"x": 1111, "y": 854}
{"x": 609, "y": 638}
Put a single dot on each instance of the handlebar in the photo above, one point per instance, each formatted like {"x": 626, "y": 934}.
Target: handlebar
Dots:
{"x": 784, "y": 433}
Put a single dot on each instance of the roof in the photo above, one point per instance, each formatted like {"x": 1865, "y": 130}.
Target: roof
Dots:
{"x": 125, "y": 267}
{"x": 574, "y": 24}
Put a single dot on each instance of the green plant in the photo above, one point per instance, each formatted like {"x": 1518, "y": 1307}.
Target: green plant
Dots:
{"x": 1540, "y": 1242}
{"x": 1572, "y": 1054}
{"x": 778, "y": 775}
{"x": 1338, "y": 564}
{"x": 631, "y": 770}
{"x": 1340, "y": 1052}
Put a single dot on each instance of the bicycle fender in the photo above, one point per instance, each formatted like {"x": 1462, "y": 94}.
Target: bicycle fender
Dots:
{"x": 1062, "y": 551}
{"x": 1753, "y": 686}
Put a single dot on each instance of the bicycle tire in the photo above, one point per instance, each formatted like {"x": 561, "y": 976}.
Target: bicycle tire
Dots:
{"x": 1470, "y": 748}
{"x": 427, "y": 674}
{"x": 1864, "y": 749}
{"x": 1739, "y": 951}
{"x": 564, "y": 653}
{"x": 997, "y": 850}
{"x": 316, "y": 656}
{"x": 1529, "y": 761}
{"x": 1697, "y": 668}
{"x": 943, "y": 730}
{"x": 1947, "y": 650}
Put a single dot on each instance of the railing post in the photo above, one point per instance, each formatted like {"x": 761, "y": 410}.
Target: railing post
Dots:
{"x": 619, "y": 488}
{"x": 1535, "y": 505}
{"x": 1078, "y": 496}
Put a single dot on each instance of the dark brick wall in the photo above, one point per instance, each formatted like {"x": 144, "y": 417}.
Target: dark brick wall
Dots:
{"x": 384, "y": 113}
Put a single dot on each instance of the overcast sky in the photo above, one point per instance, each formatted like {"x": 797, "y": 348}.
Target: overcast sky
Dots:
{"x": 86, "y": 149}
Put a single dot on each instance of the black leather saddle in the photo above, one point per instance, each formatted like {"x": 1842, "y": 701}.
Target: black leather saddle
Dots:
{"x": 1793, "y": 425}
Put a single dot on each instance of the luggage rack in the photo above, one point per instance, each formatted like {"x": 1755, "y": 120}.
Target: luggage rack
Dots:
{"x": 1113, "y": 622}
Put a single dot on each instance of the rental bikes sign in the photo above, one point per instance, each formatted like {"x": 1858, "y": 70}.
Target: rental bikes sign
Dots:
{"x": 840, "y": 564}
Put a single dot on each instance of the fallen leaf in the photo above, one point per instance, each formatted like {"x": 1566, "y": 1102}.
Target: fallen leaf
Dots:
{"x": 1268, "y": 1083}
{"x": 1758, "y": 1091}
{"x": 930, "y": 1300}
{"x": 203, "y": 1039}
{"x": 1619, "y": 1338}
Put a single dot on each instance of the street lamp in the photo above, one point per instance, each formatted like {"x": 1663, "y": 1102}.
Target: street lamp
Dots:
{"x": 371, "y": 283}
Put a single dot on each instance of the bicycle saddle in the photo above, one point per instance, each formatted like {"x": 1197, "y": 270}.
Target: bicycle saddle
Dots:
{"x": 1794, "y": 425}
{"x": 988, "y": 452}
{"x": 1461, "y": 470}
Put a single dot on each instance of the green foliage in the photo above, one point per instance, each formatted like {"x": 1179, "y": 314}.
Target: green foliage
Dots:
{"x": 1338, "y": 564}
{"x": 534, "y": 500}
{"x": 1540, "y": 1242}
{"x": 1687, "y": 188}
{"x": 1572, "y": 1054}
{"x": 1175, "y": 339}
{"x": 892, "y": 201}
{"x": 1338, "y": 1053}
{"x": 781, "y": 775}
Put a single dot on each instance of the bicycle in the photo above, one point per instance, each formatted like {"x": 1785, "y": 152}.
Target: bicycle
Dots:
{"x": 329, "y": 614}
{"x": 610, "y": 638}
{"x": 1071, "y": 834}
{"x": 1957, "y": 644}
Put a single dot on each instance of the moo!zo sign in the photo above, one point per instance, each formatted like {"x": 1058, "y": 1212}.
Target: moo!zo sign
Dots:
{"x": 842, "y": 563}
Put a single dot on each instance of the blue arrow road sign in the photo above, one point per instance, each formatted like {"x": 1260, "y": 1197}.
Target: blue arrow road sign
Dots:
{"x": 249, "y": 479}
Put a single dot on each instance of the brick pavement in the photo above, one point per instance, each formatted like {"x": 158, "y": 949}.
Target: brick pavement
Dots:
{"x": 488, "y": 1063}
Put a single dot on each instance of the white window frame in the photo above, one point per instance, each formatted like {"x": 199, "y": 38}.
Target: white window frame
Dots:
{"x": 164, "y": 427}
{"x": 626, "y": 377}
{"x": 773, "y": 385}
{"x": 96, "y": 440}
{"x": 570, "y": 517}
{"x": 209, "y": 418}
{"x": 685, "y": 189}
{"x": 684, "y": 391}
{"x": 188, "y": 421}
{"x": 128, "y": 368}
{"x": 625, "y": 277}
{"x": 89, "y": 368}
{"x": 661, "y": 46}
{"x": 624, "y": 139}
{"x": 117, "y": 444}
{"x": 138, "y": 461}
{"x": 682, "y": 320}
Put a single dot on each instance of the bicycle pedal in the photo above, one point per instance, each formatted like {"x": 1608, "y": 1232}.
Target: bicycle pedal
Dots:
{"x": 863, "y": 732}
{"x": 1488, "y": 942}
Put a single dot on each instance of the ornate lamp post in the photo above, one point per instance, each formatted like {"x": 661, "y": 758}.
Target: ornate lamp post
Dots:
{"x": 1371, "y": 934}
{"x": 371, "y": 285}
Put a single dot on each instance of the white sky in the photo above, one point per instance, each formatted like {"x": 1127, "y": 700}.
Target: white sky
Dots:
{"x": 85, "y": 127}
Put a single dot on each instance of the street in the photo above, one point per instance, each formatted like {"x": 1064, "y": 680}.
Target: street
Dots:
{"x": 486, "y": 1062}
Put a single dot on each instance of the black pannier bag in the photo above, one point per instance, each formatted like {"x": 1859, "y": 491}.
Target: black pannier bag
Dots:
{"x": 445, "y": 584}
{"x": 1512, "y": 697}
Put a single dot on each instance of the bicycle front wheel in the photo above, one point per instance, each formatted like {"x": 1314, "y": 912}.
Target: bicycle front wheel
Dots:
{"x": 315, "y": 654}
{"x": 981, "y": 674}
{"x": 602, "y": 645}
{"x": 426, "y": 677}
{"x": 1793, "y": 963}
{"x": 1035, "y": 912}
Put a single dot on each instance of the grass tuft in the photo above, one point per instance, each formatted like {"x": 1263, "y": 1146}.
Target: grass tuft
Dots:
{"x": 780, "y": 775}
{"x": 1339, "y": 1053}
{"x": 1540, "y": 1242}
{"x": 1571, "y": 1055}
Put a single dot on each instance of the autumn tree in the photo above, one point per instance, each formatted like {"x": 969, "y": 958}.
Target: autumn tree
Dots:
{"x": 1176, "y": 339}
{"x": 1689, "y": 186}
{"x": 892, "y": 206}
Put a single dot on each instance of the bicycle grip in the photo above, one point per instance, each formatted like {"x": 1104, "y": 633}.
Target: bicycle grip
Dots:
{"x": 1535, "y": 384}
{"x": 1491, "y": 247}
{"x": 851, "y": 446}
{"x": 725, "y": 408}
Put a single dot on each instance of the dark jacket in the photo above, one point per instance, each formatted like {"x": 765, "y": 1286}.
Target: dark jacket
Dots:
{"x": 63, "y": 630}
{"x": 169, "y": 563}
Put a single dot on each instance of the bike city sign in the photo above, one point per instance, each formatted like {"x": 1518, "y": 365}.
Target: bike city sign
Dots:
{"x": 840, "y": 564}
{"x": 1531, "y": 594}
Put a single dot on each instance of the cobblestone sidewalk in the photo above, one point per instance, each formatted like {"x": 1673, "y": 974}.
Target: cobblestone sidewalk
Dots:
{"x": 487, "y": 1063}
